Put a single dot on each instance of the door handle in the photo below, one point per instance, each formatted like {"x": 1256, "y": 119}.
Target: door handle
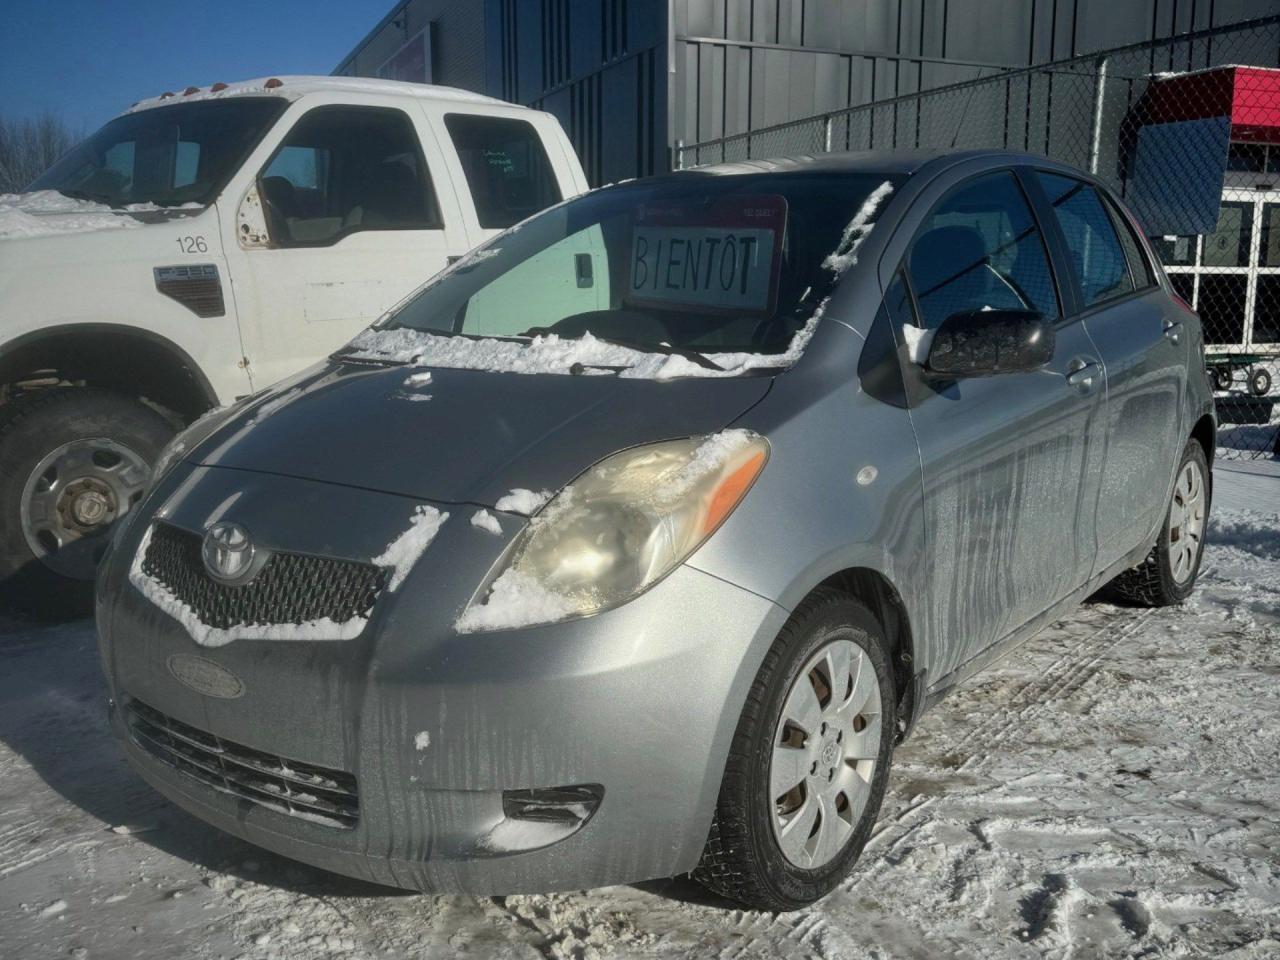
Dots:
{"x": 1172, "y": 331}
{"x": 1083, "y": 374}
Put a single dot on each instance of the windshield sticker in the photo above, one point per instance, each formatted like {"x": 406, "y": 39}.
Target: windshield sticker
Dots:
{"x": 723, "y": 257}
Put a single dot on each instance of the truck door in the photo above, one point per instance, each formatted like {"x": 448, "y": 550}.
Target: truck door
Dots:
{"x": 359, "y": 213}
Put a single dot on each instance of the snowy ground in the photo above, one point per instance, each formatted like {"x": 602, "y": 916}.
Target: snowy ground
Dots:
{"x": 1109, "y": 790}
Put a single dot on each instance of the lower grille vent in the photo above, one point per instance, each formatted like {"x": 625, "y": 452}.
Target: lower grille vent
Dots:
{"x": 301, "y": 790}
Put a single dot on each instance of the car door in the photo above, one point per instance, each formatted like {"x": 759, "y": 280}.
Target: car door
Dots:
{"x": 1008, "y": 462}
{"x": 359, "y": 214}
{"x": 1144, "y": 353}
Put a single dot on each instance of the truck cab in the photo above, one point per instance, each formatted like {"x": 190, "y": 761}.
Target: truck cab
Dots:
{"x": 207, "y": 243}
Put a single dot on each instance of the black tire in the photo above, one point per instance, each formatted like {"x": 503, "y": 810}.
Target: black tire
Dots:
{"x": 1220, "y": 377}
{"x": 1260, "y": 382}
{"x": 1152, "y": 583}
{"x": 33, "y": 426}
{"x": 742, "y": 859}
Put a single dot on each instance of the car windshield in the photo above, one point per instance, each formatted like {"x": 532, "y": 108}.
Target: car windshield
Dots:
{"x": 169, "y": 156}
{"x": 694, "y": 264}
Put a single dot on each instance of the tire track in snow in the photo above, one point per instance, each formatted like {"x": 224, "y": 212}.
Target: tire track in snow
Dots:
{"x": 971, "y": 751}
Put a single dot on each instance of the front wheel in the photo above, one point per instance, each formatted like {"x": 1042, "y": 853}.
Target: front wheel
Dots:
{"x": 1168, "y": 574}
{"x": 809, "y": 762}
{"x": 72, "y": 462}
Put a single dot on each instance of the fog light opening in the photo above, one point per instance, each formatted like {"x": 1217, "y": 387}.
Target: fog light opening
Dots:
{"x": 570, "y": 806}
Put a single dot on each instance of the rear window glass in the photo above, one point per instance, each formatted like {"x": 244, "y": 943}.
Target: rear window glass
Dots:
{"x": 506, "y": 168}
{"x": 1096, "y": 254}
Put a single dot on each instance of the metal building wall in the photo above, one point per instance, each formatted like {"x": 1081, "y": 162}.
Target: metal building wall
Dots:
{"x": 599, "y": 65}
{"x": 458, "y": 48}
{"x": 745, "y": 64}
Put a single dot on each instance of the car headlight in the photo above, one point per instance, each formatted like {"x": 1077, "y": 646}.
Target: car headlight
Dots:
{"x": 618, "y": 529}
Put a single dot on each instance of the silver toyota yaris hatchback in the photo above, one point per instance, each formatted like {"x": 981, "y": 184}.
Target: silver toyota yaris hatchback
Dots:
{"x": 631, "y": 544}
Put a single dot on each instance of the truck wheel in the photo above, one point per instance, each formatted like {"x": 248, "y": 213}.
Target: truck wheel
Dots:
{"x": 1168, "y": 575}
{"x": 809, "y": 762}
{"x": 72, "y": 462}
{"x": 1260, "y": 382}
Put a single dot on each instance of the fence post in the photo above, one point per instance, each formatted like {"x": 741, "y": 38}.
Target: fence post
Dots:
{"x": 826, "y": 133}
{"x": 1099, "y": 101}
{"x": 679, "y": 154}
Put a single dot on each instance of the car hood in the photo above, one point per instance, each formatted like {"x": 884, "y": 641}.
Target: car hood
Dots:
{"x": 466, "y": 435}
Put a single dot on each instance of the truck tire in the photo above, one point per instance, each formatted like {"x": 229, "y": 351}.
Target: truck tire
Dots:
{"x": 72, "y": 461}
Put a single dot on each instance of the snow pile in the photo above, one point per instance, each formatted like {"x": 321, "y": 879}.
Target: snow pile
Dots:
{"x": 421, "y": 740}
{"x": 208, "y": 636}
{"x": 515, "y": 600}
{"x": 403, "y": 552}
{"x": 45, "y": 213}
{"x": 486, "y": 521}
{"x": 552, "y": 354}
{"x": 415, "y": 380}
{"x": 521, "y": 501}
{"x": 845, "y": 254}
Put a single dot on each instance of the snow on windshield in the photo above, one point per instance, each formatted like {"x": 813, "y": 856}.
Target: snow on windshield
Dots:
{"x": 553, "y": 354}
{"x": 47, "y": 212}
{"x": 846, "y": 254}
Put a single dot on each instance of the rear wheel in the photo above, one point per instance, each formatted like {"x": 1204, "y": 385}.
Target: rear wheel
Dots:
{"x": 1168, "y": 575}
{"x": 72, "y": 462}
{"x": 809, "y": 762}
{"x": 1220, "y": 377}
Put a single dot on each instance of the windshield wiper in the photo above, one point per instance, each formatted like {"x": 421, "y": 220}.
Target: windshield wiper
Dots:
{"x": 82, "y": 195}
{"x": 349, "y": 354}
{"x": 701, "y": 359}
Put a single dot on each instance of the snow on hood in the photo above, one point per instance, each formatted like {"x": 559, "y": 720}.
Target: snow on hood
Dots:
{"x": 44, "y": 213}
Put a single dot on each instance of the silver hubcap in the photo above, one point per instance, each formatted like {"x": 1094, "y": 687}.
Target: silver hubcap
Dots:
{"x": 1186, "y": 521}
{"x": 73, "y": 496}
{"x": 824, "y": 754}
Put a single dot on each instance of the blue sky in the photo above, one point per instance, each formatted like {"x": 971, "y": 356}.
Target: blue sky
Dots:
{"x": 89, "y": 60}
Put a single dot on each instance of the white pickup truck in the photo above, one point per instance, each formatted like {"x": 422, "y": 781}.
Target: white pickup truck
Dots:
{"x": 208, "y": 242}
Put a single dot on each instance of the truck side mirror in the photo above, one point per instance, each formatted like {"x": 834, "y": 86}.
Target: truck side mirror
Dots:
{"x": 983, "y": 343}
{"x": 251, "y": 220}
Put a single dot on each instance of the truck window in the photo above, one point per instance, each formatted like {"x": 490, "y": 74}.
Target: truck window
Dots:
{"x": 167, "y": 155}
{"x": 506, "y": 167}
{"x": 346, "y": 169}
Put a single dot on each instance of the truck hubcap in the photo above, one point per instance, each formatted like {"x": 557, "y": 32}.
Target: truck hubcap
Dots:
{"x": 73, "y": 496}
{"x": 825, "y": 751}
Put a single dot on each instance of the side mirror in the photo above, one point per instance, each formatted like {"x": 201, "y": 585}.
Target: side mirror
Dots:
{"x": 983, "y": 343}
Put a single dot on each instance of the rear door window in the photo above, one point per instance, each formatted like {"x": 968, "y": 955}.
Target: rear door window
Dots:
{"x": 980, "y": 249}
{"x": 346, "y": 169}
{"x": 506, "y": 166}
{"x": 1097, "y": 256}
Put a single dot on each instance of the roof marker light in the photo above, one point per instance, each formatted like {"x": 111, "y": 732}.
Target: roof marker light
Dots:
{"x": 219, "y": 86}
{"x": 166, "y": 95}
{"x": 190, "y": 90}
{"x": 273, "y": 83}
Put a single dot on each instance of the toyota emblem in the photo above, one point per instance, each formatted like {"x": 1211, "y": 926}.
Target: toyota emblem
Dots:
{"x": 227, "y": 552}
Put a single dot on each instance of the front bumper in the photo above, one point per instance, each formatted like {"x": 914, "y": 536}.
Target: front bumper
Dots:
{"x": 642, "y": 700}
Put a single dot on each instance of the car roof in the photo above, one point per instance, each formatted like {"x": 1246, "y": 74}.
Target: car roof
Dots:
{"x": 886, "y": 162}
{"x": 293, "y": 87}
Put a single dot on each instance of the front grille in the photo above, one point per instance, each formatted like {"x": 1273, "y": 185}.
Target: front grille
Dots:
{"x": 290, "y": 588}
{"x": 301, "y": 790}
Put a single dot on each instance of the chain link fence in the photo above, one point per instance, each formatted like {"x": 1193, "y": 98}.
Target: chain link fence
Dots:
{"x": 1186, "y": 129}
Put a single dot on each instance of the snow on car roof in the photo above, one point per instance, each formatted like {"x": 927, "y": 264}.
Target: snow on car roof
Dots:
{"x": 293, "y": 87}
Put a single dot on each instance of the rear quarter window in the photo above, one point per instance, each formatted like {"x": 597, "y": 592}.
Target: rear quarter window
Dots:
{"x": 506, "y": 166}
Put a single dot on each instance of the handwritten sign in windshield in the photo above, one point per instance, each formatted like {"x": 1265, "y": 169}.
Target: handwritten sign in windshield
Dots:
{"x": 722, "y": 256}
